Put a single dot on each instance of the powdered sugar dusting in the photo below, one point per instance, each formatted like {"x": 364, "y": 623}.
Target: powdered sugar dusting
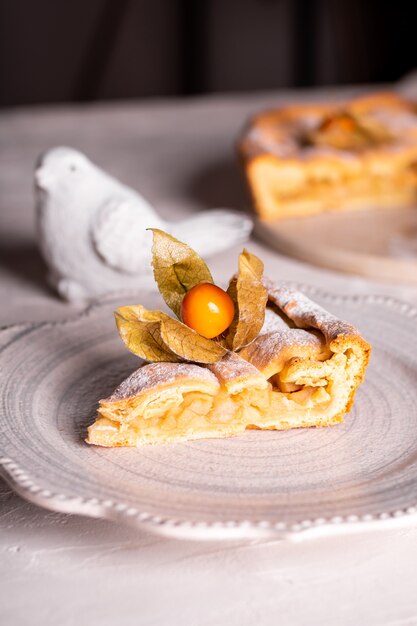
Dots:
{"x": 275, "y": 321}
{"x": 280, "y": 332}
{"x": 399, "y": 122}
{"x": 307, "y": 314}
{"x": 272, "y": 346}
{"x": 153, "y": 374}
{"x": 232, "y": 366}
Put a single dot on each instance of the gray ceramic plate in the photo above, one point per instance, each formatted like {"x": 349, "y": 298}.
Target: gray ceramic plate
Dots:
{"x": 287, "y": 484}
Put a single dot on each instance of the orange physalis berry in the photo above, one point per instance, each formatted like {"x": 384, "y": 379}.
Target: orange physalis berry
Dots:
{"x": 207, "y": 309}
{"x": 342, "y": 123}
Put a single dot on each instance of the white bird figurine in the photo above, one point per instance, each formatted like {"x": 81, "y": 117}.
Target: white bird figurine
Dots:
{"x": 92, "y": 228}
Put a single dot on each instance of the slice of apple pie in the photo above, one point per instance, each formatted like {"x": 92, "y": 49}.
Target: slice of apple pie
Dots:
{"x": 302, "y": 370}
{"x": 310, "y": 158}
{"x": 284, "y": 362}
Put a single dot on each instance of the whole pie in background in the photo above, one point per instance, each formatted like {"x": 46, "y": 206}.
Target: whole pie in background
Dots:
{"x": 310, "y": 158}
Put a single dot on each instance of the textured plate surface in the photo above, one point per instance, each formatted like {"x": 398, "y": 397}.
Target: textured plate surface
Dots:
{"x": 260, "y": 483}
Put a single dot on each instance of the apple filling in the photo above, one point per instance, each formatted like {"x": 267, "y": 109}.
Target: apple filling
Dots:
{"x": 305, "y": 392}
{"x": 303, "y": 187}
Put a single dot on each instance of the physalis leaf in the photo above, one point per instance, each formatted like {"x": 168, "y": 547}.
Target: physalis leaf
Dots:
{"x": 141, "y": 334}
{"x": 188, "y": 344}
{"x": 250, "y": 297}
{"x": 155, "y": 336}
{"x": 177, "y": 268}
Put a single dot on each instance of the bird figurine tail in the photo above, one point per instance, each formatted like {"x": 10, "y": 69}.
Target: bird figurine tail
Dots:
{"x": 210, "y": 232}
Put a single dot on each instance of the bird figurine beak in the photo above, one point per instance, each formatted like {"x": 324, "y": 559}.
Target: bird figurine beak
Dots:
{"x": 42, "y": 179}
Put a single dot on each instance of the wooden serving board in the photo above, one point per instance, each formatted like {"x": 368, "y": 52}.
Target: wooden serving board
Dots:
{"x": 377, "y": 243}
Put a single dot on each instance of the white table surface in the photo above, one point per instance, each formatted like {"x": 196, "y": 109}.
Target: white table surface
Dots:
{"x": 62, "y": 569}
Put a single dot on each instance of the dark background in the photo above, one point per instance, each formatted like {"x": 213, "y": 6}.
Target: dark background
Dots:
{"x": 80, "y": 50}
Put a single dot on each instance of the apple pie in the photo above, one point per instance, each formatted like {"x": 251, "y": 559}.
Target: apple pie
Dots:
{"x": 283, "y": 363}
{"x": 309, "y": 158}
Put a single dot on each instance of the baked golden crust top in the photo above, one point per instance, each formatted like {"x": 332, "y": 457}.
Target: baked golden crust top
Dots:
{"x": 166, "y": 374}
{"x": 304, "y": 330}
{"x": 307, "y": 130}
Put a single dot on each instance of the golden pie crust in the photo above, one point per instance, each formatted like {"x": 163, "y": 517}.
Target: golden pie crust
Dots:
{"x": 302, "y": 370}
{"x": 310, "y": 158}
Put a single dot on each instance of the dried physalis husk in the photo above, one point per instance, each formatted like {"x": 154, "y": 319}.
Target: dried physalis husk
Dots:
{"x": 155, "y": 336}
{"x": 189, "y": 345}
{"x": 346, "y": 130}
{"x": 250, "y": 297}
{"x": 177, "y": 268}
{"x": 140, "y": 332}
